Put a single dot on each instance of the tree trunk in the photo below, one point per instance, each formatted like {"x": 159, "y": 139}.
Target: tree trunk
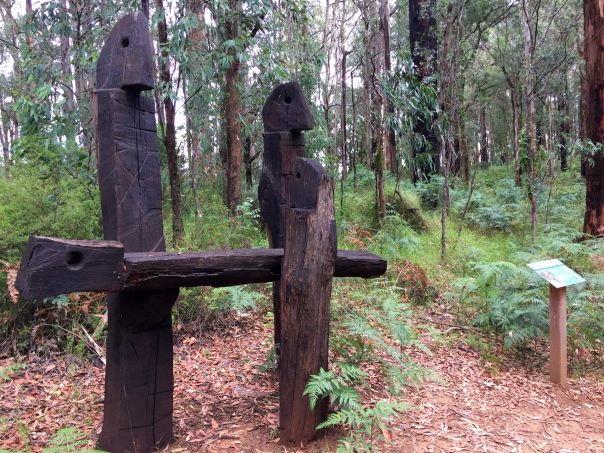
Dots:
{"x": 516, "y": 133}
{"x": 531, "y": 122}
{"x": 424, "y": 51}
{"x": 593, "y": 165}
{"x": 67, "y": 76}
{"x": 564, "y": 130}
{"x": 4, "y": 135}
{"x": 484, "y": 139}
{"x": 367, "y": 83}
{"x": 248, "y": 160}
{"x": 192, "y": 149}
{"x": 170, "y": 129}
{"x": 233, "y": 130}
{"x": 390, "y": 159}
{"x": 343, "y": 116}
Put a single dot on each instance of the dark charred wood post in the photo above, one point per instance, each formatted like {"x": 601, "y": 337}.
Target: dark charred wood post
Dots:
{"x": 52, "y": 266}
{"x": 138, "y": 378}
{"x": 285, "y": 115}
{"x": 308, "y": 268}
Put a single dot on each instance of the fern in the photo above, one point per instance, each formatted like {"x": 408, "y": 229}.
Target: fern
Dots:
{"x": 367, "y": 424}
{"x": 327, "y": 384}
{"x": 234, "y": 298}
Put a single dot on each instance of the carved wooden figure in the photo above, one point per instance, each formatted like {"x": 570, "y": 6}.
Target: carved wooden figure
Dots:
{"x": 296, "y": 199}
{"x": 138, "y": 378}
{"x": 285, "y": 115}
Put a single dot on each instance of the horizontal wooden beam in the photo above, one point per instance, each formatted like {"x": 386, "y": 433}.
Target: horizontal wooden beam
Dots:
{"x": 53, "y": 266}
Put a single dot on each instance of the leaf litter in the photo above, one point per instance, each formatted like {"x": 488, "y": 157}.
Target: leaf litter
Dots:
{"x": 223, "y": 402}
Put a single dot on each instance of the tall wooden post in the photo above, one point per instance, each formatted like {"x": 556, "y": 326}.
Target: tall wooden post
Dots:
{"x": 138, "y": 378}
{"x": 557, "y": 334}
{"x": 306, "y": 277}
{"x": 285, "y": 115}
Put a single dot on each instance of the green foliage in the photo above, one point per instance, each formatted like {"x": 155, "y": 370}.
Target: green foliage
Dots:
{"x": 586, "y": 314}
{"x": 367, "y": 424}
{"x": 507, "y": 300}
{"x": 68, "y": 440}
{"x": 328, "y": 384}
{"x": 367, "y": 327}
{"x": 430, "y": 192}
{"x": 233, "y": 298}
{"x": 396, "y": 239}
{"x": 45, "y": 194}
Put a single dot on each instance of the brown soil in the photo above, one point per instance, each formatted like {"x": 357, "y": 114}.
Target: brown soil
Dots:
{"x": 223, "y": 403}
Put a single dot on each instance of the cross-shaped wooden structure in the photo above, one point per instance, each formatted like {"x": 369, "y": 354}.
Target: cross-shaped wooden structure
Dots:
{"x": 143, "y": 280}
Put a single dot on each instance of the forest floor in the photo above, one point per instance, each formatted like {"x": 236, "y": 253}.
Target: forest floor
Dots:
{"x": 224, "y": 403}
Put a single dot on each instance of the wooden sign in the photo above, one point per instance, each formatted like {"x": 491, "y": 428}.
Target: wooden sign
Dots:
{"x": 559, "y": 276}
{"x": 556, "y": 273}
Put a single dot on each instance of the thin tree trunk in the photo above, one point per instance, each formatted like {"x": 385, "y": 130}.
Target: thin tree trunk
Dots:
{"x": 516, "y": 134}
{"x": 248, "y": 160}
{"x": 233, "y": 131}
{"x": 192, "y": 148}
{"x": 343, "y": 116}
{"x": 564, "y": 128}
{"x": 170, "y": 129}
{"x": 354, "y": 144}
{"x": 484, "y": 139}
{"x": 531, "y": 122}
{"x": 390, "y": 141}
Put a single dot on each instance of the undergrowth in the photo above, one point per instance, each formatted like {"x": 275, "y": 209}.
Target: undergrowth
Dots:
{"x": 483, "y": 283}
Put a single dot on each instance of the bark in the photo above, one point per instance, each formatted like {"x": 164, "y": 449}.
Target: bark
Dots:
{"x": 233, "y": 129}
{"x": 516, "y": 132}
{"x": 564, "y": 130}
{"x": 390, "y": 159}
{"x": 4, "y": 136}
{"x": 192, "y": 149}
{"x": 367, "y": 83}
{"x": 248, "y": 160}
{"x": 353, "y": 154}
{"x": 423, "y": 41}
{"x": 343, "y": 117}
{"x": 484, "y": 139}
{"x": 232, "y": 107}
{"x": 593, "y": 165}
{"x": 169, "y": 129}
{"x": 67, "y": 75}
{"x": 531, "y": 121}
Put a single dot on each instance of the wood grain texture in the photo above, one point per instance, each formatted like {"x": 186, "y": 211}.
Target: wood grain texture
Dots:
{"x": 308, "y": 268}
{"x": 125, "y": 60}
{"x": 52, "y": 266}
{"x": 56, "y": 266}
{"x": 557, "y": 335}
{"x": 286, "y": 109}
{"x": 285, "y": 114}
{"x": 138, "y": 379}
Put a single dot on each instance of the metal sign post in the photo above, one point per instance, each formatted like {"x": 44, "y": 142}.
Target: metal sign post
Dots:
{"x": 559, "y": 277}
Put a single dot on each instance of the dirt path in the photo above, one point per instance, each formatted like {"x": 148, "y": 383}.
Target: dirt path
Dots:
{"x": 223, "y": 403}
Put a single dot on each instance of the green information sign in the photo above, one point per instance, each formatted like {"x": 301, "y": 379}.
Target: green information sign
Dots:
{"x": 556, "y": 273}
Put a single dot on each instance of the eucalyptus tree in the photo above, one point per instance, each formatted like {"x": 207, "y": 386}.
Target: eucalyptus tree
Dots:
{"x": 593, "y": 161}
{"x": 423, "y": 40}
{"x": 167, "y": 120}
{"x": 237, "y": 24}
